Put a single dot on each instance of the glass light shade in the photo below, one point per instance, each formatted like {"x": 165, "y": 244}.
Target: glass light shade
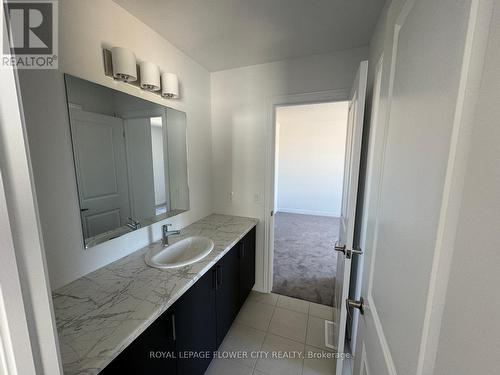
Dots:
{"x": 124, "y": 65}
{"x": 169, "y": 86}
{"x": 150, "y": 76}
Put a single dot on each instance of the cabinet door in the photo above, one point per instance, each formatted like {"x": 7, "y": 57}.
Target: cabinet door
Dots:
{"x": 228, "y": 292}
{"x": 247, "y": 265}
{"x": 195, "y": 326}
{"x": 153, "y": 352}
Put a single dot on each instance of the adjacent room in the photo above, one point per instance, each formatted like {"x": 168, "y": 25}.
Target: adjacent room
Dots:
{"x": 309, "y": 173}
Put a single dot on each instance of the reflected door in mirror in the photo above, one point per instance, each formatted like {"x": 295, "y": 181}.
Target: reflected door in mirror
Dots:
{"x": 99, "y": 150}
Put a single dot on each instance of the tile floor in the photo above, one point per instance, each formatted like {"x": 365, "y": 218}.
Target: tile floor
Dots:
{"x": 273, "y": 323}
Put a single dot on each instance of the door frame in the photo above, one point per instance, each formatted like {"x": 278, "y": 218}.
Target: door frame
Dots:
{"x": 29, "y": 316}
{"x": 328, "y": 96}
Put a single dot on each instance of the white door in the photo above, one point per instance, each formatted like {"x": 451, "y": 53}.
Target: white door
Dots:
{"x": 348, "y": 209}
{"x": 101, "y": 171}
{"x": 411, "y": 162}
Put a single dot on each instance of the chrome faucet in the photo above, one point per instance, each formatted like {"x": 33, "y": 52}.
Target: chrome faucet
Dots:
{"x": 133, "y": 224}
{"x": 165, "y": 233}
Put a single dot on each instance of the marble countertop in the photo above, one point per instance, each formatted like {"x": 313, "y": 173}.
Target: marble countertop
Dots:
{"x": 101, "y": 313}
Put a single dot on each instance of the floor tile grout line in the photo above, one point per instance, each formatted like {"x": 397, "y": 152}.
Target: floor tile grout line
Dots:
{"x": 305, "y": 343}
{"x": 288, "y": 338}
{"x": 262, "y": 344}
{"x": 309, "y": 303}
{"x": 270, "y": 320}
{"x": 283, "y": 337}
{"x": 253, "y": 300}
{"x": 267, "y": 333}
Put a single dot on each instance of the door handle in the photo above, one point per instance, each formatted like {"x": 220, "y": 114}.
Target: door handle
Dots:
{"x": 347, "y": 252}
{"x": 84, "y": 209}
{"x": 339, "y": 247}
{"x": 350, "y": 252}
{"x": 353, "y": 304}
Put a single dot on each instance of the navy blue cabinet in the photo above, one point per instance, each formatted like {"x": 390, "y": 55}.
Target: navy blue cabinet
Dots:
{"x": 195, "y": 330}
{"x": 246, "y": 253}
{"x": 153, "y": 352}
{"x": 227, "y": 292}
{"x": 182, "y": 340}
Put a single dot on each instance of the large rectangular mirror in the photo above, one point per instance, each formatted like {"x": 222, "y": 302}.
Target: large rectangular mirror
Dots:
{"x": 130, "y": 160}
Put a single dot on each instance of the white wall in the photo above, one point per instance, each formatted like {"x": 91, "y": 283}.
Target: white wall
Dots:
{"x": 311, "y": 152}
{"x": 241, "y": 109}
{"x": 84, "y": 28}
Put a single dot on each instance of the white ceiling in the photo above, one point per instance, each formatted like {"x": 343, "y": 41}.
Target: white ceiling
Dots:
{"x": 224, "y": 34}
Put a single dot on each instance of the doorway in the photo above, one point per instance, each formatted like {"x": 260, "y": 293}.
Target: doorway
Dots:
{"x": 310, "y": 142}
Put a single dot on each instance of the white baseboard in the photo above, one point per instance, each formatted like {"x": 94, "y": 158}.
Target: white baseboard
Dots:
{"x": 308, "y": 212}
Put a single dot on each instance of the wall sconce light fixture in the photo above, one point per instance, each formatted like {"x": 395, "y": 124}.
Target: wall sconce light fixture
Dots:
{"x": 169, "y": 86}
{"x": 150, "y": 76}
{"x": 120, "y": 63}
{"x": 124, "y": 65}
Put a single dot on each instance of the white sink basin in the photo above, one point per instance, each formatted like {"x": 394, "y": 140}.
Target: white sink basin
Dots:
{"x": 179, "y": 254}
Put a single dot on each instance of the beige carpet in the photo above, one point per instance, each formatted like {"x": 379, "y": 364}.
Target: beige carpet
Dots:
{"x": 304, "y": 259}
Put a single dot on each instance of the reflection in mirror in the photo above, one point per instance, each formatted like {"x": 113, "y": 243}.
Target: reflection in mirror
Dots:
{"x": 130, "y": 160}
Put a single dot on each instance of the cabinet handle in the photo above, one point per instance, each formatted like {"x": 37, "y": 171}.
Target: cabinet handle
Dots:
{"x": 219, "y": 275}
{"x": 173, "y": 327}
{"x": 214, "y": 278}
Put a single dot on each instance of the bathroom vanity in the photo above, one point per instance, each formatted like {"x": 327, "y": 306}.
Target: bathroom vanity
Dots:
{"x": 130, "y": 318}
{"x": 167, "y": 307}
